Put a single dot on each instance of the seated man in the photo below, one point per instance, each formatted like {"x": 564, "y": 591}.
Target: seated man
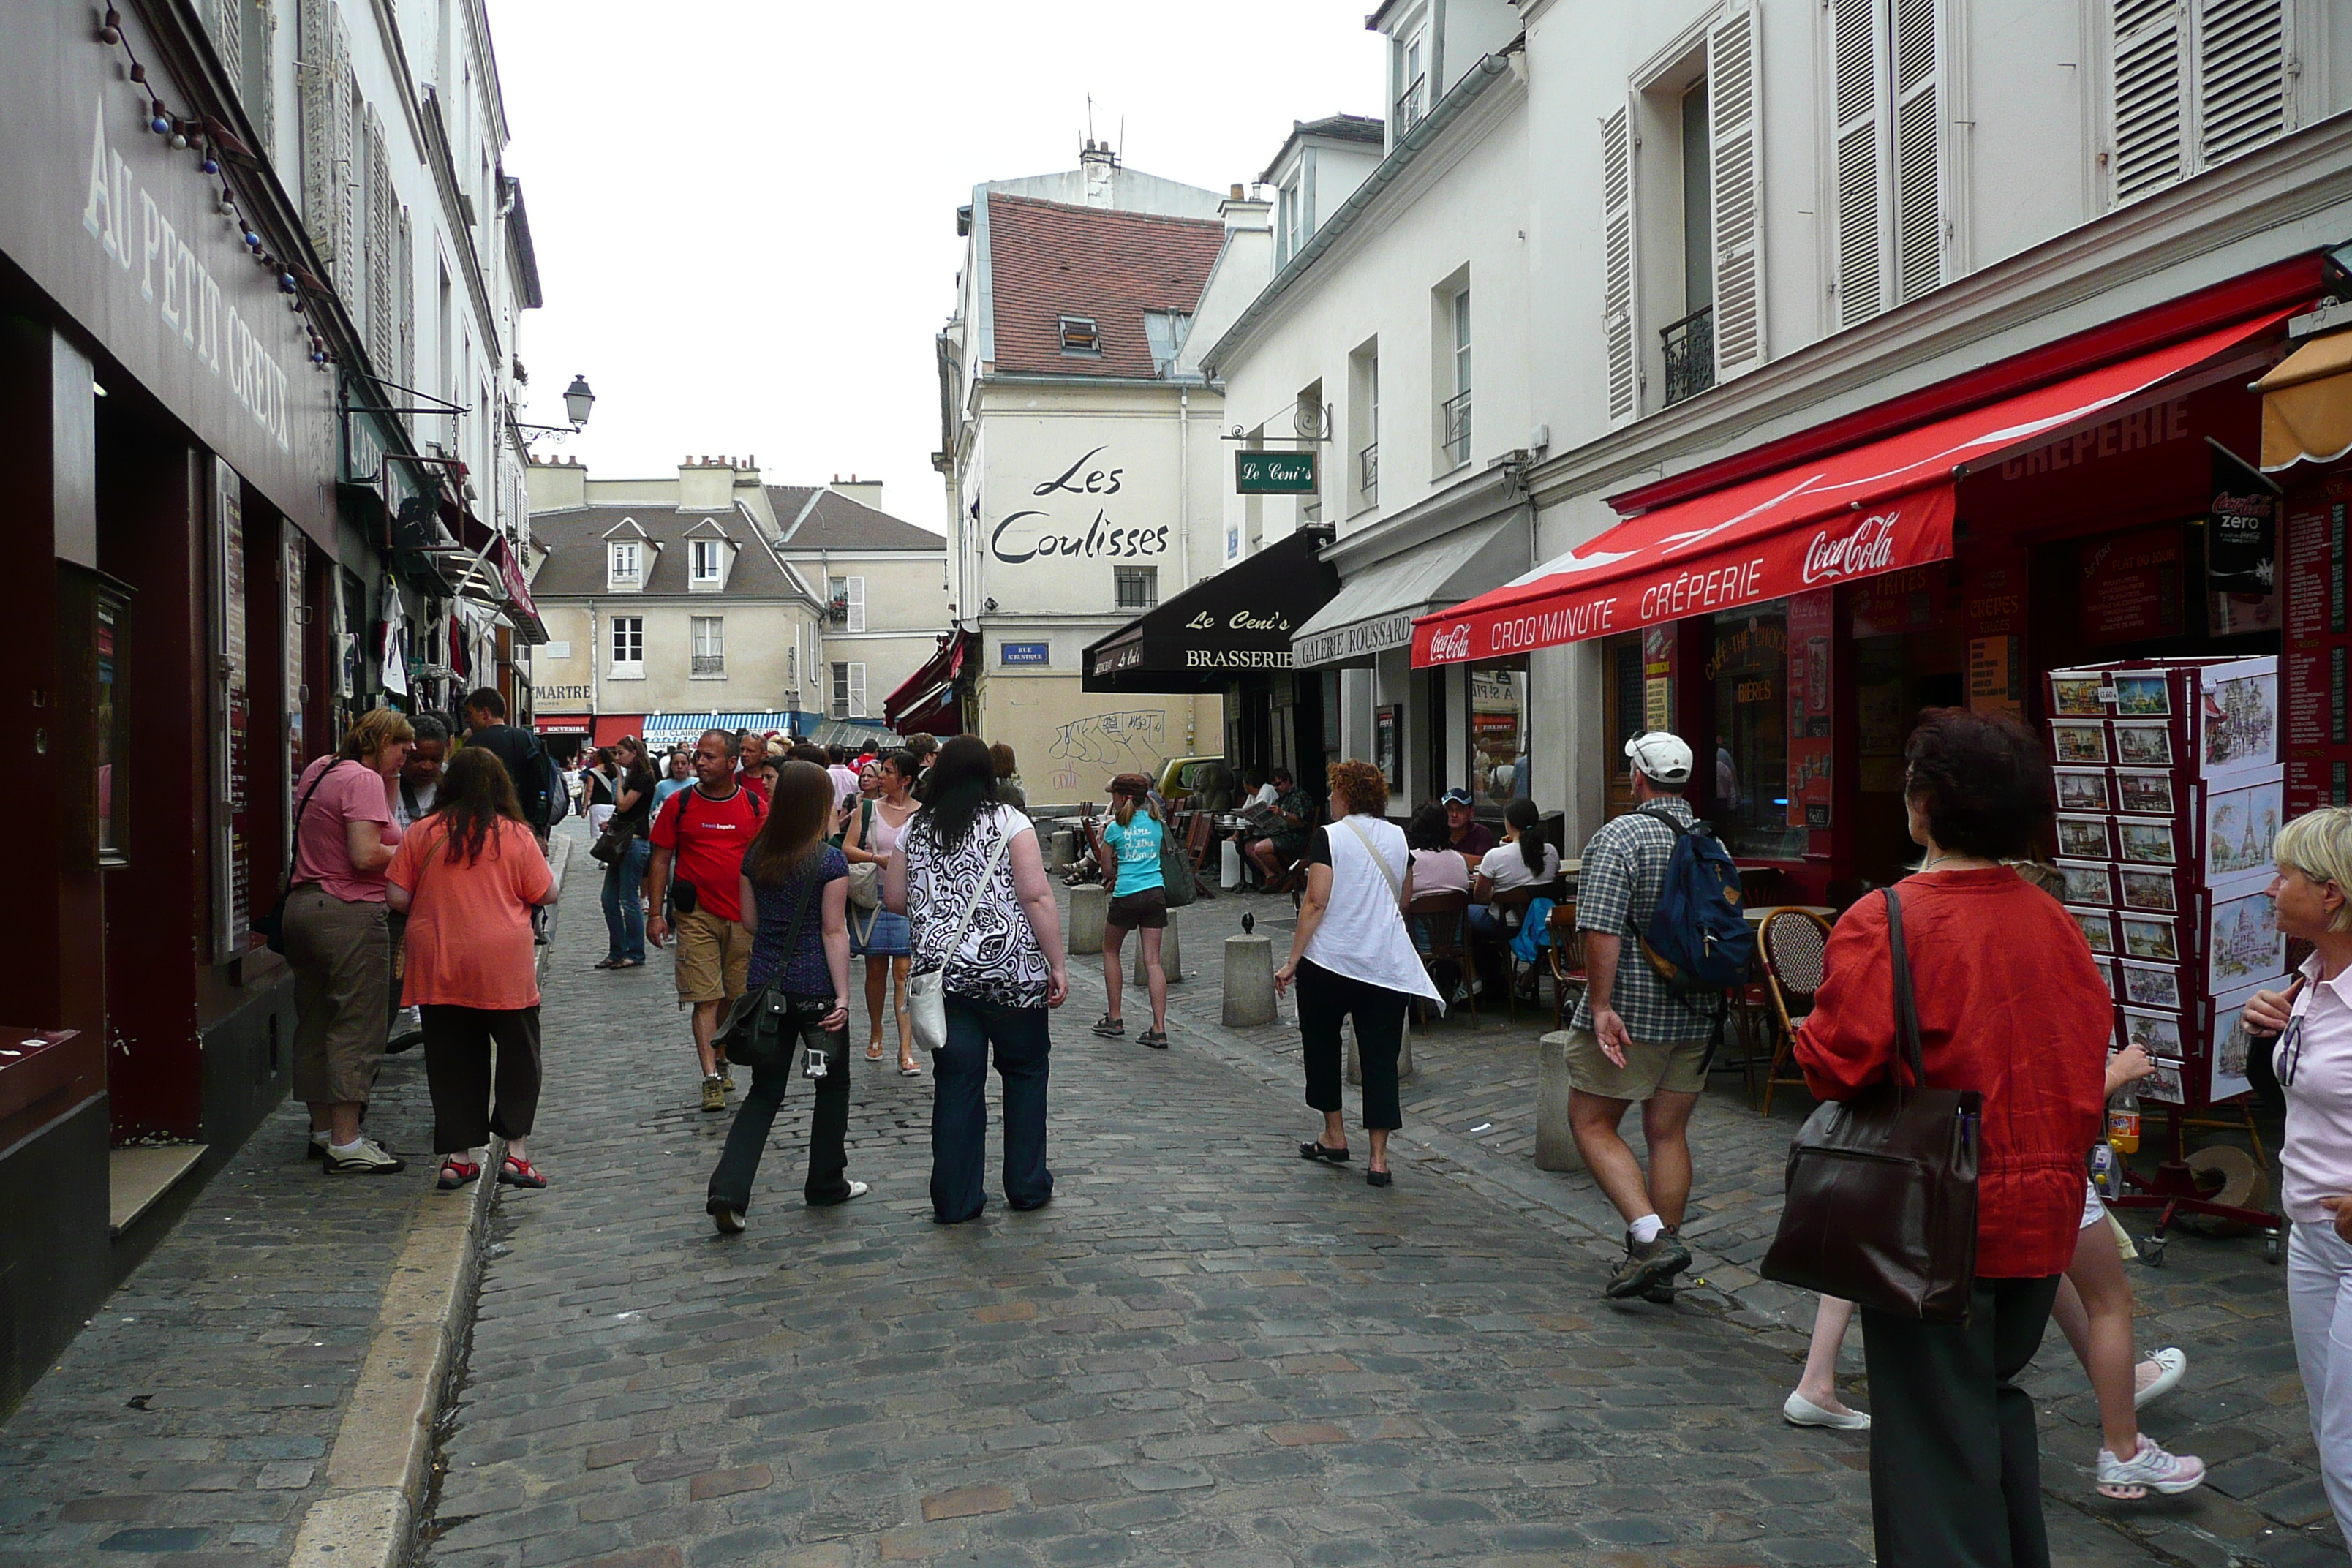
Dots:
{"x": 1288, "y": 821}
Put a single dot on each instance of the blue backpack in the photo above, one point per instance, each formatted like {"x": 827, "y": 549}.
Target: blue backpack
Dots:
{"x": 1699, "y": 940}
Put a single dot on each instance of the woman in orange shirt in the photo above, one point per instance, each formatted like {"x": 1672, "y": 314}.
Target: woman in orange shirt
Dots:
{"x": 467, "y": 877}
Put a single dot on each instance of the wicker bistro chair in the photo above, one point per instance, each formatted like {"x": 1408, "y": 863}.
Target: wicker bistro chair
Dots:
{"x": 1200, "y": 843}
{"x": 1790, "y": 945}
{"x": 1441, "y": 916}
{"x": 1568, "y": 974}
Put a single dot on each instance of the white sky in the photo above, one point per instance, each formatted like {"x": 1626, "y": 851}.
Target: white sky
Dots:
{"x": 745, "y": 209}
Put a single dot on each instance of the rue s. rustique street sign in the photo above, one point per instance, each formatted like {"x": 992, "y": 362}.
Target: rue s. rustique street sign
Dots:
{"x": 1274, "y": 473}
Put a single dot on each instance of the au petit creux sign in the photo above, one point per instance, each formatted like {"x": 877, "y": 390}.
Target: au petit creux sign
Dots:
{"x": 1274, "y": 473}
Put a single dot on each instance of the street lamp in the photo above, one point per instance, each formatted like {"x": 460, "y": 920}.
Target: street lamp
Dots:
{"x": 577, "y": 401}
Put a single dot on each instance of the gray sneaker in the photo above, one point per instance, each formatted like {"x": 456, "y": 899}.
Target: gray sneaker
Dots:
{"x": 364, "y": 1158}
{"x": 1644, "y": 1266}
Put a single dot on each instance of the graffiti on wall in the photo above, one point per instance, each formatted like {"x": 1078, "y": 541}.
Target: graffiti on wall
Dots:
{"x": 1131, "y": 741}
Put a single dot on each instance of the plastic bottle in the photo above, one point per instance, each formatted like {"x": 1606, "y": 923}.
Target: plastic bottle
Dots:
{"x": 2104, "y": 1177}
{"x": 2122, "y": 1122}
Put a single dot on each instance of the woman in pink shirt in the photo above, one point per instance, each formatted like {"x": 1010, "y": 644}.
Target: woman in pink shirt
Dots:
{"x": 338, "y": 941}
{"x": 467, "y": 877}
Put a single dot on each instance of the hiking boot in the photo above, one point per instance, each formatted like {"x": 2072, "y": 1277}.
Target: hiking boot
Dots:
{"x": 1643, "y": 1266}
{"x": 1662, "y": 1294}
{"x": 714, "y": 1093}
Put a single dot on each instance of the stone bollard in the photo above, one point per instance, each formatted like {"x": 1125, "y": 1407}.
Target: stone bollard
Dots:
{"x": 1404, "y": 1054}
{"x": 1088, "y": 904}
{"x": 1172, "y": 953}
{"x": 1249, "y": 981}
{"x": 1555, "y": 1143}
{"x": 1065, "y": 848}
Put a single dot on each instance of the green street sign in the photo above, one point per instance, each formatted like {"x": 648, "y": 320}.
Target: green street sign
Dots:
{"x": 1274, "y": 473}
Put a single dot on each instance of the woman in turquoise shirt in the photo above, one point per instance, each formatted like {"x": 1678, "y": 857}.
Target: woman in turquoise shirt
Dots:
{"x": 1129, "y": 854}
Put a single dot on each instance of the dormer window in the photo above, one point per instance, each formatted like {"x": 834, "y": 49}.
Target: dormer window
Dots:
{"x": 1413, "y": 88}
{"x": 1079, "y": 336}
{"x": 708, "y": 566}
{"x": 623, "y": 561}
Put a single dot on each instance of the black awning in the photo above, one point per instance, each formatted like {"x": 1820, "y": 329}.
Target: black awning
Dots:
{"x": 1222, "y": 628}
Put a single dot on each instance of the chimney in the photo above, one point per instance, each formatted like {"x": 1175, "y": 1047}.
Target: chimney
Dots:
{"x": 1098, "y": 166}
{"x": 706, "y": 486}
{"x": 864, "y": 492}
{"x": 1243, "y": 211}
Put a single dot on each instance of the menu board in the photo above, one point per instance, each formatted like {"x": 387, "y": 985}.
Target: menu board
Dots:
{"x": 1811, "y": 621}
{"x": 2130, "y": 584}
{"x": 2318, "y": 643}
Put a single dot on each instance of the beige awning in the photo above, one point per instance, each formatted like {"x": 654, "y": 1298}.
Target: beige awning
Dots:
{"x": 2307, "y": 404}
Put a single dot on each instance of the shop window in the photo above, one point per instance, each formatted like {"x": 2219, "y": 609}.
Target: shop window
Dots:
{"x": 1499, "y": 736}
{"x": 1749, "y": 668}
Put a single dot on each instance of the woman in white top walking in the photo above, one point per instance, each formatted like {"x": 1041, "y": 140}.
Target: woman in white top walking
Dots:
{"x": 2313, "y": 1060}
{"x": 880, "y": 936}
{"x": 1352, "y": 959}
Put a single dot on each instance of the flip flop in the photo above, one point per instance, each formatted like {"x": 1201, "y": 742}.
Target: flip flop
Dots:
{"x": 874, "y": 1052}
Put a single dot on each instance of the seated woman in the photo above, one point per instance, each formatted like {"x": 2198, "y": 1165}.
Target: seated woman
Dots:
{"x": 1521, "y": 860}
{"x": 1289, "y": 820}
{"x": 1437, "y": 867}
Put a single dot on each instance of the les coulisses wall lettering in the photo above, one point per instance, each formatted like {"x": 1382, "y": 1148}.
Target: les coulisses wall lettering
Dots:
{"x": 1033, "y": 533}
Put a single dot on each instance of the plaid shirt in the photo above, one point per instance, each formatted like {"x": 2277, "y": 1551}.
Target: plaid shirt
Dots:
{"x": 1616, "y": 891}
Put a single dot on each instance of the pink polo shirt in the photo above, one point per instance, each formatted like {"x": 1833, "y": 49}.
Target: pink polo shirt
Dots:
{"x": 351, "y": 792}
{"x": 2314, "y": 1062}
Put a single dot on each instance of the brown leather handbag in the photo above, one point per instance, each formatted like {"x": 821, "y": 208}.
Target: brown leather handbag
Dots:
{"x": 1882, "y": 1188}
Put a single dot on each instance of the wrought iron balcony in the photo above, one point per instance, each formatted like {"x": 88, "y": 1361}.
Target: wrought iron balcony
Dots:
{"x": 1411, "y": 104}
{"x": 1690, "y": 354}
{"x": 1368, "y": 474}
{"x": 709, "y": 664}
{"x": 1457, "y": 439}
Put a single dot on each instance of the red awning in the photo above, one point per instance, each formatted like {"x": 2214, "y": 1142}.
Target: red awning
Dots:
{"x": 926, "y": 701}
{"x": 1883, "y": 506}
{"x": 561, "y": 723}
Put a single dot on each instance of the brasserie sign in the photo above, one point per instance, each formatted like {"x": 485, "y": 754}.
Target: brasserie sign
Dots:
{"x": 1275, "y": 473}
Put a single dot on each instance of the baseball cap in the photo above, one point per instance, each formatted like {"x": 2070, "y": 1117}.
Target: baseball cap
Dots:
{"x": 1458, "y": 797}
{"x": 1131, "y": 784}
{"x": 1661, "y": 756}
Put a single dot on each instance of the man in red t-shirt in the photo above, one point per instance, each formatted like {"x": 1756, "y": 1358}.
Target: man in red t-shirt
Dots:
{"x": 704, "y": 831}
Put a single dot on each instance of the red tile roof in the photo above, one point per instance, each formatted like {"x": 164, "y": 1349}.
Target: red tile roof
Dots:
{"x": 1048, "y": 260}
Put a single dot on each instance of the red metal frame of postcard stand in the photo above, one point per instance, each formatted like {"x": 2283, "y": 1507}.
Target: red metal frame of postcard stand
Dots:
{"x": 2173, "y": 1190}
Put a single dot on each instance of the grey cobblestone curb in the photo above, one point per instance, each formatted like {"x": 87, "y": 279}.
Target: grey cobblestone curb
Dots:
{"x": 380, "y": 1462}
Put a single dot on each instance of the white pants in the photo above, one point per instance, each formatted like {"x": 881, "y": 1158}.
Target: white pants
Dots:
{"x": 2319, "y": 1303}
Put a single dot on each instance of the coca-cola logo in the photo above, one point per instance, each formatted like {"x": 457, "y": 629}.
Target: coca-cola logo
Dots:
{"x": 1451, "y": 644}
{"x": 1867, "y": 549}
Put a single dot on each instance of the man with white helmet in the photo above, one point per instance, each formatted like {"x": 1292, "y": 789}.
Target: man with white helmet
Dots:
{"x": 1629, "y": 1039}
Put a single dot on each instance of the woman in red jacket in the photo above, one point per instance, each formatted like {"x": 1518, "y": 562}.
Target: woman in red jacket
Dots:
{"x": 2009, "y": 1004}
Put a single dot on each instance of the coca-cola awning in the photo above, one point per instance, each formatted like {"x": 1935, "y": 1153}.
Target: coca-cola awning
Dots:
{"x": 1883, "y": 506}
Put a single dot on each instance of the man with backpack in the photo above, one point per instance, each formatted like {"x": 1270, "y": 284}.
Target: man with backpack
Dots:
{"x": 1658, "y": 901}
{"x": 704, "y": 830}
{"x": 539, "y": 785}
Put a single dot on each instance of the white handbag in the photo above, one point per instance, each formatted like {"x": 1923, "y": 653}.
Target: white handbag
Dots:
{"x": 926, "y": 996}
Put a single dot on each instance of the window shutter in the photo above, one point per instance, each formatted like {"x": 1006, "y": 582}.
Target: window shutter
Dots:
{"x": 227, "y": 19}
{"x": 857, "y": 691}
{"x": 384, "y": 340}
{"x": 857, "y": 604}
{"x": 2241, "y": 98}
{"x": 2147, "y": 114}
{"x": 1617, "y": 296}
{"x": 1918, "y": 157}
{"x": 1736, "y": 126}
{"x": 343, "y": 93}
{"x": 318, "y": 86}
{"x": 404, "y": 285}
{"x": 1855, "y": 48}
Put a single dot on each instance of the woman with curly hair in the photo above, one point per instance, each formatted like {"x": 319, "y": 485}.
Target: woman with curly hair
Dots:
{"x": 1352, "y": 960}
{"x": 468, "y": 877}
{"x": 2010, "y": 1004}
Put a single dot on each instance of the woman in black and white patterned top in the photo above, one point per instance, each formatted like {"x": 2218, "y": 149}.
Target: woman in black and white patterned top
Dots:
{"x": 1005, "y": 973}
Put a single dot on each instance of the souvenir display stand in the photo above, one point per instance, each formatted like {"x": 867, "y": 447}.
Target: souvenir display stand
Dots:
{"x": 2169, "y": 792}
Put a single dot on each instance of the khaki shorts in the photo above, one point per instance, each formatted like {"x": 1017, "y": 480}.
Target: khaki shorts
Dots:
{"x": 1672, "y": 1066}
{"x": 714, "y": 958}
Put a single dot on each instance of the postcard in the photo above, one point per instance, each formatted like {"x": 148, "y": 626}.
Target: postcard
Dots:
{"x": 2087, "y": 882}
{"x": 2098, "y": 928}
{"x": 2232, "y": 1045}
{"x": 2157, "y": 1034}
{"x": 2142, "y": 792}
{"x": 2143, "y": 746}
{"x": 2150, "y": 936}
{"x": 2086, "y": 838}
{"x": 2240, "y": 824}
{"x": 2237, "y": 716}
{"x": 2074, "y": 743}
{"x": 2151, "y": 985}
{"x": 2149, "y": 843}
{"x": 2083, "y": 789}
{"x": 2077, "y": 695}
{"x": 2245, "y": 944}
{"x": 2164, "y": 1084}
{"x": 2142, "y": 890}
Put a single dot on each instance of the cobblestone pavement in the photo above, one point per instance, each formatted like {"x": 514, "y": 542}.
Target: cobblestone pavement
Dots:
{"x": 190, "y": 1422}
{"x": 1204, "y": 1352}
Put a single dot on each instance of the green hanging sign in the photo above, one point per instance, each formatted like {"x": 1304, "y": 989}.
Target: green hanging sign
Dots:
{"x": 1275, "y": 473}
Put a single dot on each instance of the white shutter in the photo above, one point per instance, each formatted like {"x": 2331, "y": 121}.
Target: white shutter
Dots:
{"x": 2241, "y": 98}
{"x": 318, "y": 85}
{"x": 343, "y": 92}
{"x": 1617, "y": 296}
{"x": 1857, "y": 48}
{"x": 1918, "y": 157}
{"x": 404, "y": 286}
{"x": 1736, "y": 132}
{"x": 857, "y": 603}
{"x": 383, "y": 337}
{"x": 857, "y": 691}
{"x": 2148, "y": 113}
{"x": 227, "y": 20}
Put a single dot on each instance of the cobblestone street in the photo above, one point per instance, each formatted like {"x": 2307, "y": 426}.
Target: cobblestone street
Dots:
{"x": 1204, "y": 1351}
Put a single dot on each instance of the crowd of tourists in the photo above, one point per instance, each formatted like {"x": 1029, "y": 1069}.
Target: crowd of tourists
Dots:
{"x": 419, "y": 868}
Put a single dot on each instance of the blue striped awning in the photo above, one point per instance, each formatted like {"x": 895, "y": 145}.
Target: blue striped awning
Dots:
{"x": 669, "y": 729}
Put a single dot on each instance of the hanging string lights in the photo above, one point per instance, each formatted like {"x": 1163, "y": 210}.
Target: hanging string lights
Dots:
{"x": 213, "y": 141}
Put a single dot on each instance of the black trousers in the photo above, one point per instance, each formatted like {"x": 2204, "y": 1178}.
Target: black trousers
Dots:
{"x": 1955, "y": 1465}
{"x": 747, "y": 1140}
{"x": 458, "y": 1069}
{"x": 1325, "y": 1002}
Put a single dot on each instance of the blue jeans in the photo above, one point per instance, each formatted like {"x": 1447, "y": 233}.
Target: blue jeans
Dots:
{"x": 624, "y": 915}
{"x": 959, "y": 1108}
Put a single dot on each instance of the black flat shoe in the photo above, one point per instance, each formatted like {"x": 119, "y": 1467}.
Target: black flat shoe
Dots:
{"x": 1376, "y": 1178}
{"x": 1320, "y": 1150}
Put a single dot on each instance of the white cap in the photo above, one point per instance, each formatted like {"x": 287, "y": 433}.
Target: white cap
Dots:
{"x": 1661, "y": 756}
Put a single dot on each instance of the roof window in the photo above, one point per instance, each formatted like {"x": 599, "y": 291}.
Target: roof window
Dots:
{"x": 1079, "y": 335}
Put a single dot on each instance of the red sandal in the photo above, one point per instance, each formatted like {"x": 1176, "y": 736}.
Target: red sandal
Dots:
{"x": 517, "y": 1173}
{"x": 456, "y": 1172}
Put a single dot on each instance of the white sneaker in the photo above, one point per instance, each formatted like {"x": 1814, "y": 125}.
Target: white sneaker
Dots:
{"x": 364, "y": 1158}
{"x": 2151, "y": 1469}
{"x": 1800, "y": 1411}
{"x": 2171, "y": 1365}
{"x": 856, "y": 1190}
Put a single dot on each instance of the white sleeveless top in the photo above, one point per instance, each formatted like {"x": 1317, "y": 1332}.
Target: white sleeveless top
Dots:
{"x": 1362, "y": 935}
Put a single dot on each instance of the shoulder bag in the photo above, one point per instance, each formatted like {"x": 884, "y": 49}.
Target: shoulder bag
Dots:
{"x": 927, "y": 999}
{"x": 761, "y": 1030}
{"x": 1175, "y": 868}
{"x": 272, "y": 923}
{"x": 866, "y": 876}
{"x": 1882, "y": 1188}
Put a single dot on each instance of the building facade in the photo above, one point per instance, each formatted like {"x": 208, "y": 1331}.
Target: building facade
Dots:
{"x": 668, "y": 601}
{"x": 1082, "y": 466}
